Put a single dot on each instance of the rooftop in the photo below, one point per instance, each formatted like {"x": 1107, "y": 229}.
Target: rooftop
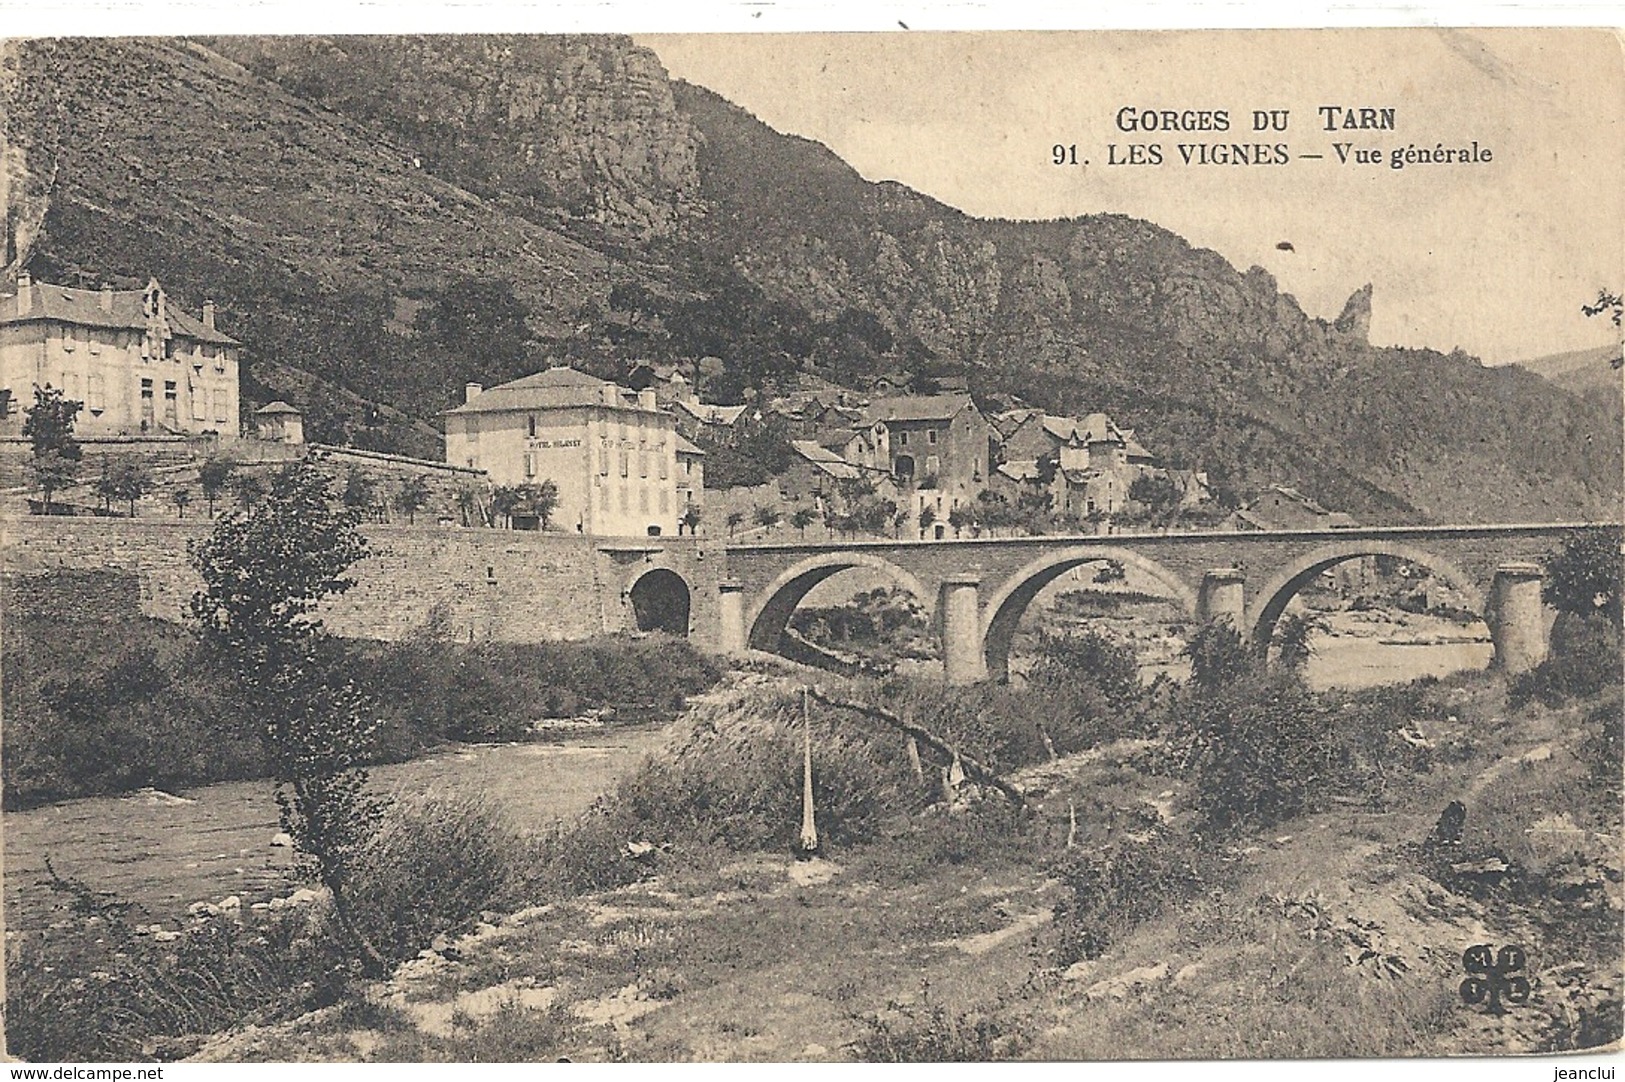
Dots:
{"x": 559, "y": 387}
{"x": 934, "y": 407}
{"x": 115, "y": 309}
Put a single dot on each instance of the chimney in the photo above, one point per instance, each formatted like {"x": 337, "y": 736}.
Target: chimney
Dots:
{"x": 25, "y": 291}
{"x": 646, "y": 399}
{"x": 107, "y": 296}
{"x": 612, "y": 395}
{"x": 208, "y": 315}
{"x": 471, "y": 391}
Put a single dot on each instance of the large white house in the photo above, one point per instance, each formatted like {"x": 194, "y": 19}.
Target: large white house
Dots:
{"x": 139, "y": 364}
{"x": 620, "y": 466}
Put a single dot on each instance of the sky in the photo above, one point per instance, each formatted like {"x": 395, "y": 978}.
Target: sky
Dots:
{"x": 1495, "y": 257}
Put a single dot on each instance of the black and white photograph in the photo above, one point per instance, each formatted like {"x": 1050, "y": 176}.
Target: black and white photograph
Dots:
{"x": 916, "y": 546}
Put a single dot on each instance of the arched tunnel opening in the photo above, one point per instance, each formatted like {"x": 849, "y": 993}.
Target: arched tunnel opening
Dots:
{"x": 660, "y": 602}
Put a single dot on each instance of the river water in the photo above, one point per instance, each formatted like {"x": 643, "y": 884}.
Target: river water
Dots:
{"x": 164, "y": 852}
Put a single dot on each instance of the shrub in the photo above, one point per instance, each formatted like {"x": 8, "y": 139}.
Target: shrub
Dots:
{"x": 1115, "y": 886}
{"x": 1584, "y": 659}
{"x": 929, "y": 1033}
{"x": 1067, "y": 662}
{"x": 1219, "y": 655}
{"x": 434, "y": 863}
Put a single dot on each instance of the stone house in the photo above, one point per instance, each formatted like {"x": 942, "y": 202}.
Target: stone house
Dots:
{"x": 139, "y": 364}
{"x": 613, "y": 453}
{"x": 937, "y": 448}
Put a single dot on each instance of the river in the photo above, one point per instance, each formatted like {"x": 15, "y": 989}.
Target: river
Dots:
{"x": 165, "y": 851}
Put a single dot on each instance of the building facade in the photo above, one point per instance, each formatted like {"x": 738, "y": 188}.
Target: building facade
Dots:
{"x": 611, "y": 452}
{"x": 139, "y": 364}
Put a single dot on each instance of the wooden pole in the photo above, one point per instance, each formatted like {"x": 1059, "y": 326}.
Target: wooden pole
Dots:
{"x": 809, "y": 823}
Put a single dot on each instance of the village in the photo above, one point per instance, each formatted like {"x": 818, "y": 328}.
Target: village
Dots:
{"x": 163, "y": 426}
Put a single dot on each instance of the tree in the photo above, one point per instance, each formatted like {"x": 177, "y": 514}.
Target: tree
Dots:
{"x": 733, "y": 520}
{"x": 412, "y": 496}
{"x": 1614, "y": 306}
{"x": 213, "y": 477}
{"x": 766, "y": 517}
{"x": 1583, "y": 577}
{"x": 1158, "y": 494}
{"x": 49, "y": 428}
{"x": 691, "y": 519}
{"x": 960, "y": 518}
{"x": 928, "y": 519}
{"x": 250, "y": 490}
{"x": 131, "y": 481}
{"x": 1219, "y": 656}
{"x": 182, "y": 498}
{"x": 899, "y": 519}
{"x": 801, "y": 518}
{"x": 265, "y": 570}
{"x": 531, "y": 500}
{"x": 360, "y": 491}
{"x": 1292, "y": 637}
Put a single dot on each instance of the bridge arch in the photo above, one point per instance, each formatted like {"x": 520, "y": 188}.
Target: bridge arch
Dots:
{"x": 770, "y": 614}
{"x": 1273, "y": 597}
{"x": 1004, "y": 608}
{"x": 660, "y": 599}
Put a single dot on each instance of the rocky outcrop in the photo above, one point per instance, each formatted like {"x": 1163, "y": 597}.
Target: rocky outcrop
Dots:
{"x": 1354, "y": 324}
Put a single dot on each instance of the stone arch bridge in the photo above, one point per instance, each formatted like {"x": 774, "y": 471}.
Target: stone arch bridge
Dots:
{"x": 976, "y": 590}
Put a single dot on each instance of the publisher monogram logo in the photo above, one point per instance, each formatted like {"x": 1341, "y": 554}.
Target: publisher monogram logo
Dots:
{"x": 1495, "y": 978}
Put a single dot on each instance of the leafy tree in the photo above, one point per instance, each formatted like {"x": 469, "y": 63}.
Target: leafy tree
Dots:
{"x": 766, "y": 517}
{"x": 537, "y": 500}
{"x": 265, "y": 571}
{"x": 360, "y": 491}
{"x": 412, "y": 496}
{"x": 213, "y": 477}
{"x": 960, "y": 518}
{"x": 182, "y": 498}
{"x": 1158, "y": 494}
{"x": 801, "y": 518}
{"x": 1583, "y": 577}
{"x": 733, "y": 520}
{"x": 250, "y": 490}
{"x": 691, "y": 519}
{"x": 131, "y": 481}
{"x": 1292, "y": 637}
{"x": 1613, "y": 305}
{"x": 49, "y": 428}
{"x": 928, "y": 519}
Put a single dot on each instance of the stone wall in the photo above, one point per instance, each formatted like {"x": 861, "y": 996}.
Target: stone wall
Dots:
{"x": 480, "y": 584}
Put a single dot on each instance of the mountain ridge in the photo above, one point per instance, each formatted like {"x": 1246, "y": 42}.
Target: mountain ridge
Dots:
{"x": 397, "y": 216}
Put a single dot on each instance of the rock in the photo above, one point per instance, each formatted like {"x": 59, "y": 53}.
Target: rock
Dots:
{"x": 1188, "y": 974}
{"x": 166, "y": 936}
{"x": 202, "y": 909}
{"x": 1489, "y": 866}
{"x": 261, "y": 905}
{"x": 231, "y": 901}
{"x": 1079, "y": 971}
{"x": 1120, "y": 986}
{"x": 281, "y": 840}
{"x": 813, "y": 872}
{"x": 1537, "y": 755}
{"x": 815, "y": 1051}
{"x": 303, "y": 896}
{"x": 1447, "y": 831}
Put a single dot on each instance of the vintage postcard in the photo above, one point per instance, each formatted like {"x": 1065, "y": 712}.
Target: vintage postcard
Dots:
{"x": 983, "y": 546}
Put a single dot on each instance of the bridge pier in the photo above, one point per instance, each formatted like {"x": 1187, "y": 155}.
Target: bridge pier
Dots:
{"x": 962, "y": 656}
{"x": 1516, "y": 618}
{"x": 731, "y": 605}
{"x": 1222, "y": 596}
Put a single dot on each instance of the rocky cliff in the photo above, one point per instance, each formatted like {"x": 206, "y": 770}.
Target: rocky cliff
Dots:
{"x": 393, "y": 216}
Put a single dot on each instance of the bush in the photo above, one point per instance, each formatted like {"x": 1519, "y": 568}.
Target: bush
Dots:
{"x": 928, "y": 1033}
{"x": 1220, "y": 656}
{"x": 1067, "y": 662}
{"x": 99, "y": 991}
{"x": 1115, "y": 886}
{"x": 1584, "y": 659}
{"x": 434, "y": 863}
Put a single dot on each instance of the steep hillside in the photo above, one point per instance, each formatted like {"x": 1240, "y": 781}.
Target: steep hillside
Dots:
{"x": 394, "y": 216}
{"x": 1590, "y": 373}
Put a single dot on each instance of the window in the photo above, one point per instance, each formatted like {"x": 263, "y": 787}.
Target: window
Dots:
{"x": 661, "y": 455}
{"x": 171, "y": 402}
{"x": 643, "y": 462}
{"x": 930, "y": 435}
{"x": 665, "y": 502}
{"x": 68, "y": 336}
{"x": 603, "y": 458}
{"x": 96, "y": 400}
{"x": 530, "y": 464}
{"x": 625, "y": 464}
{"x": 902, "y": 438}
{"x": 222, "y": 405}
{"x": 530, "y": 426}
{"x": 92, "y": 343}
{"x": 200, "y": 404}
